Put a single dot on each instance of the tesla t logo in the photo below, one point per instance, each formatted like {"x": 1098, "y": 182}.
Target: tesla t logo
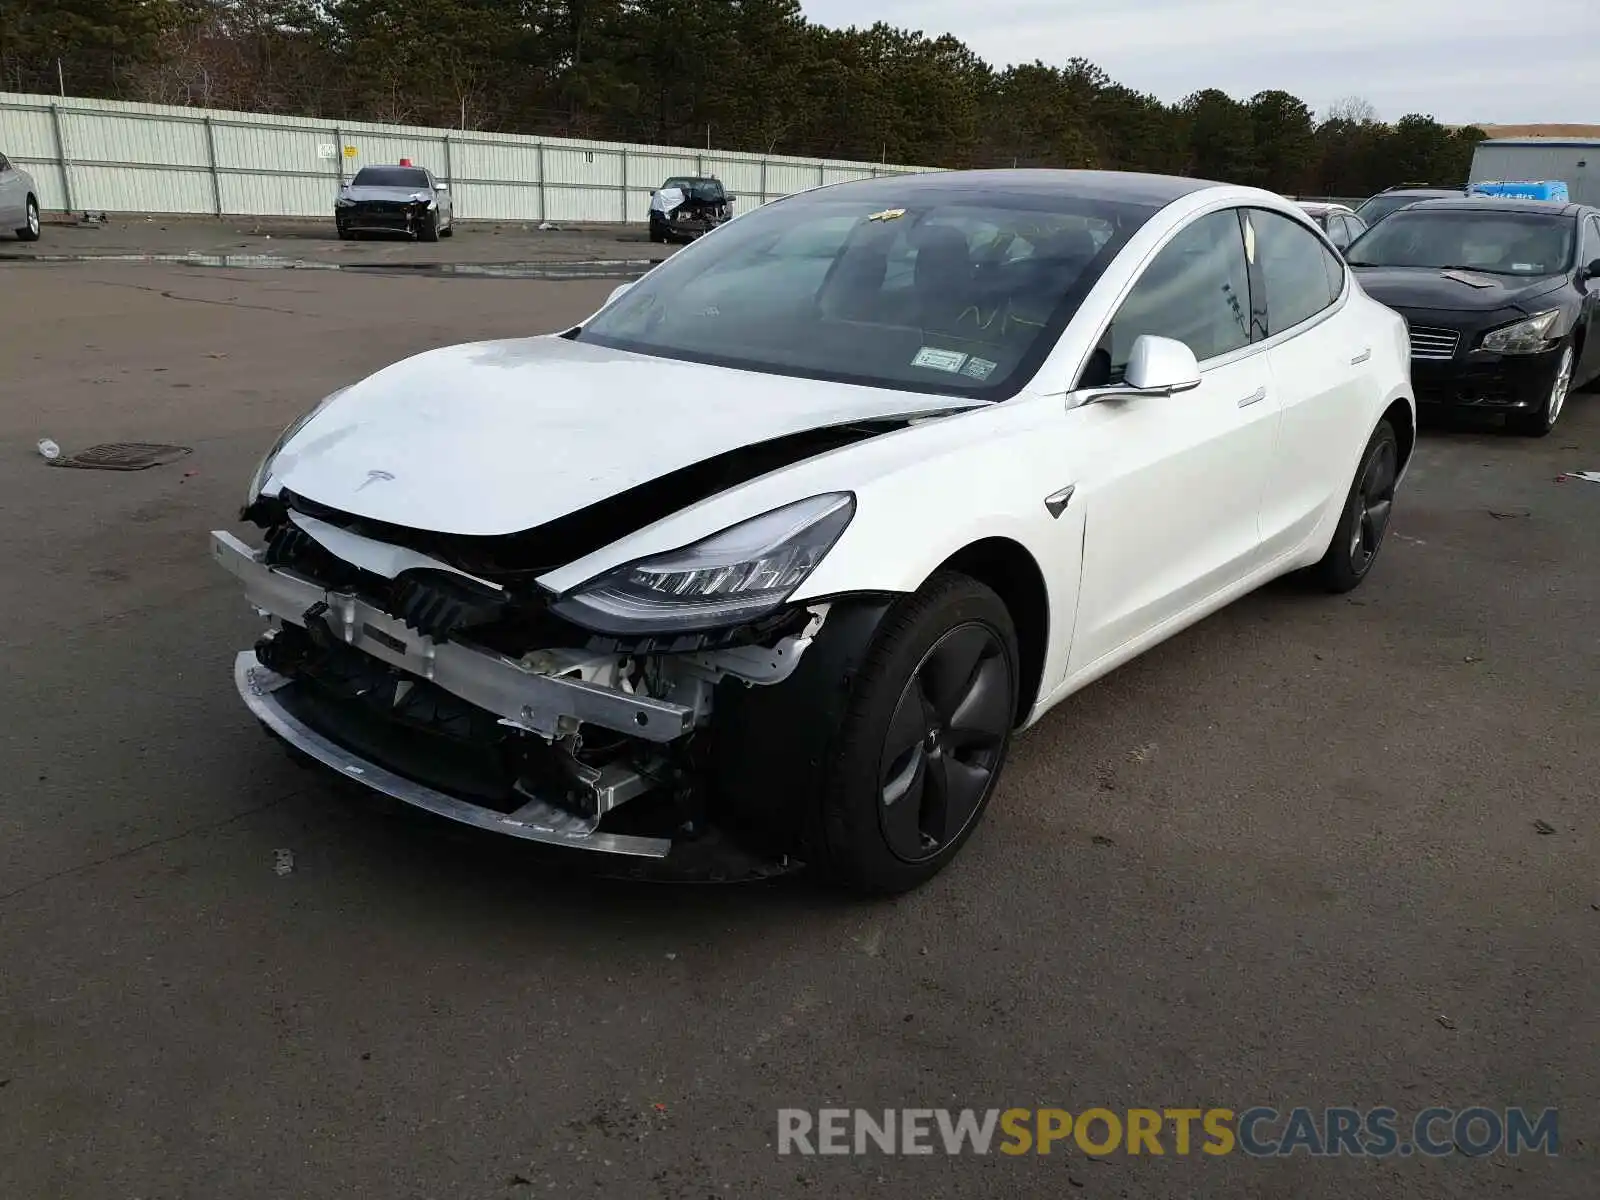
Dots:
{"x": 375, "y": 477}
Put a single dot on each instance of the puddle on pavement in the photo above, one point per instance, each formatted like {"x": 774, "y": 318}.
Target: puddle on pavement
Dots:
{"x": 611, "y": 268}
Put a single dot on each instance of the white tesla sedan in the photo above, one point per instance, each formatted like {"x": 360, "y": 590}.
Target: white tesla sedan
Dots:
{"x": 787, "y": 541}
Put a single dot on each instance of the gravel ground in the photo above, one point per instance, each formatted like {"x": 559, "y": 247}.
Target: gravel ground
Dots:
{"x": 1311, "y": 852}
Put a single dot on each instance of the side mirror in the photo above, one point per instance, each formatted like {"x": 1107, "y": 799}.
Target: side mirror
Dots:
{"x": 441, "y": 187}
{"x": 1592, "y": 271}
{"x": 617, "y": 291}
{"x": 1161, "y": 366}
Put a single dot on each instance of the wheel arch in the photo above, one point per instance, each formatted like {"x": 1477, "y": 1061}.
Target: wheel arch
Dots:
{"x": 1006, "y": 567}
{"x": 1404, "y": 423}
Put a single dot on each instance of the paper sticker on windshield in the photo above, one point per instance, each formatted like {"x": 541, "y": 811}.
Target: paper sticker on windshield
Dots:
{"x": 888, "y": 214}
{"x": 979, "y": 368}
{"x": 939, "y": 360}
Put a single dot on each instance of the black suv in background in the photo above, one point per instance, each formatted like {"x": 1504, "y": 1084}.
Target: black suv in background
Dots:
{"x": 1391, "y": 200}
{"x": 1502, "y": 299}
{"x": 686, "y": 206}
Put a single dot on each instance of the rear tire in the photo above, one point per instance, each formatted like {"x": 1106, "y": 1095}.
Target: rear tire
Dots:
{"x": 1543, "y": 419}
{"x": 30, "y": 226}
{"x": 1365, "y": 520}
{"x": 449, "y": 230}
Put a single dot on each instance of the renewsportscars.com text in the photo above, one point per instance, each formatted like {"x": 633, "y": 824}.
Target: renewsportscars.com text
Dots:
{"x": 1255, "y": 1132}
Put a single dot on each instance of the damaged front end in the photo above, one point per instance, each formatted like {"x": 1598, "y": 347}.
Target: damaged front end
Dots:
{"x": 433, "y": 668}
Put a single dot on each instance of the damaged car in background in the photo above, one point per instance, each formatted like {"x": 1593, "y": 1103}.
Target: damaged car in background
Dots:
{"x": 785, "y": 543}
{"x": 686, "y": 207}
{"x": 402, "y": 199}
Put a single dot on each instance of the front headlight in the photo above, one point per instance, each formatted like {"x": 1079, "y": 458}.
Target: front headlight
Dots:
{"x": 344, "y": 202}
{"x": 1528, "y": 336}
{"x": 264, "y": 467}
{"x": 734, "y": 576}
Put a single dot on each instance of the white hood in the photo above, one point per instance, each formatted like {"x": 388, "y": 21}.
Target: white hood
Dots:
{"x": 496, "y": 437}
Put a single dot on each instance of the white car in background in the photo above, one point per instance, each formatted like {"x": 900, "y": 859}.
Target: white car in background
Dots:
{"x": 792, "y": 536}
{"x": 19, "y": 201}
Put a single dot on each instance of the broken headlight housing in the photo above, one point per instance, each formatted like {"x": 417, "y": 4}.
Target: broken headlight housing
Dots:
{"x": 263, "y": 469}
{"x": 729, "y": 578}
{"x": 1529, "y": 336}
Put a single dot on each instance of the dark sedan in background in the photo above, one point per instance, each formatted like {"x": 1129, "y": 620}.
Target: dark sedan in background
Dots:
{"x": 1502, "y": 298}
{"x": 402, "y": 199}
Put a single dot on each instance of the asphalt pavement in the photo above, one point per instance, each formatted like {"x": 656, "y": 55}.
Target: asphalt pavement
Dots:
{"x": 1314, "y": 851}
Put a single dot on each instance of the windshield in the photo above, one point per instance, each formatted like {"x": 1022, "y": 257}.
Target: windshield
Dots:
{"x": 963, "y": 293}
{"x": 1379, "y": 207}
{"x": 395, "y": 177}
{"x": 697, "y": 189}
{"x": 1498, "y": 243}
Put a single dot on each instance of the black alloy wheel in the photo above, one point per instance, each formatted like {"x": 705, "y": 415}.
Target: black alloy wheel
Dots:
{"x": 1375, "y": 501}
{"x": 945, "y": 741}
{"x": 1365, "y": 518}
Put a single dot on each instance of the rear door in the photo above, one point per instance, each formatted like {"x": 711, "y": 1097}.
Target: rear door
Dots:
{"x": 1589, "y": 252}
{"x": 1171, "y": 506}
{"x": 1321, "y": 374}
{"x": 13, "y": 198}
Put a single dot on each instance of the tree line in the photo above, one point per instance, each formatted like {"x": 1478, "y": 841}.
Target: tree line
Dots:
{"x": 750, "y": 75}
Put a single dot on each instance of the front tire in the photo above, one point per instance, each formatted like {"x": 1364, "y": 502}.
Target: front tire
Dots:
{"x": 874, "y": 762}
{"x": 430, "y": 228}
{"x": 1543, "y": 419}
{"x": 30, "y": 226}
{"x": 1367, "y": 509}
{"x": 924, "y": 738}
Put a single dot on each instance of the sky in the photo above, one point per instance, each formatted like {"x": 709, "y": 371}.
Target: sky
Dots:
{"x": 1463, "y": 61}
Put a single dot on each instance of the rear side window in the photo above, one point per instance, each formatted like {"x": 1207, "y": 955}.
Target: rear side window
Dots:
{"x": 1300, "y": 275}
{"x": 1196, "y": 290}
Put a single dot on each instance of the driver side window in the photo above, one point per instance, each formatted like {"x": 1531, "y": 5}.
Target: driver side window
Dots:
{"x": 1196, "y": 290}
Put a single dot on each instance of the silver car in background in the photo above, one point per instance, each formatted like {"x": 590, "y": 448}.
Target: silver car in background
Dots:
{"x": 19, "y": 201}
{"x": 1338, "y": 221}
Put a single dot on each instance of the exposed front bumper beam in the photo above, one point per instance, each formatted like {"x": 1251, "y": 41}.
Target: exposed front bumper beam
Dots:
{"x": 535, "y": 821}
{"x": 542, "y": 704}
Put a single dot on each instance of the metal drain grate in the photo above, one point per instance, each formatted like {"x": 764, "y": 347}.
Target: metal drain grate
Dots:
{"x": 123, "y": 456}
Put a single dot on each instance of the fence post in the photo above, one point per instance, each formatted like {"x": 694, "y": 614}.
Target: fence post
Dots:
{"x": 544, "y": 214}
{"x": 700, "y": 164}
{"x": 211, "y": 163}
{"x": 624, "y": 154}
{"x": 763, "y": 199}
{"x": 338, "y": 153}
{"x": 449, "y": 171}
{"x": 822, "y": 172}
{"x": 61, "y": 155}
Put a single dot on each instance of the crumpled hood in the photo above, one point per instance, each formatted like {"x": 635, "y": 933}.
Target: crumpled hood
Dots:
{"x": 1448, "y": 291}
{"x": 496, "y": 437}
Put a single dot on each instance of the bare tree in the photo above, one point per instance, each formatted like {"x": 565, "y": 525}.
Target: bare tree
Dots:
{"x": 1357, "y": 110}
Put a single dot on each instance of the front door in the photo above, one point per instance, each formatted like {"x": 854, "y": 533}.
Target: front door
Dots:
{"x": 1172, "y": 499}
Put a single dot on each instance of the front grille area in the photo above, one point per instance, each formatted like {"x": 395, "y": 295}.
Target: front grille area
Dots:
{"x": 1435, "y": 344}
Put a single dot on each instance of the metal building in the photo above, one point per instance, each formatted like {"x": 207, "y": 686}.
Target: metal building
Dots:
{"x": 1574, "y": 161}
